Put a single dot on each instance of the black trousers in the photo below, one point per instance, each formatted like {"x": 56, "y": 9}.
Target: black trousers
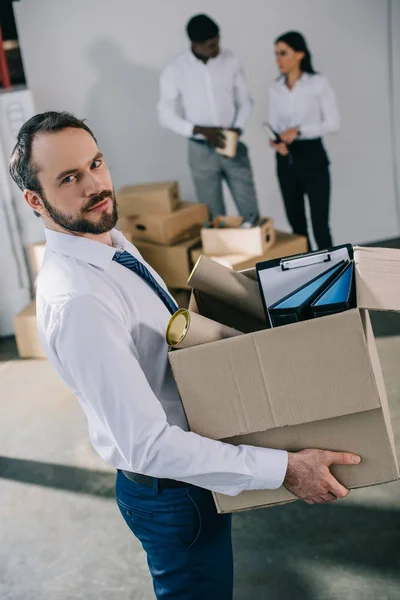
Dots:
{"x": 305, "y": 172}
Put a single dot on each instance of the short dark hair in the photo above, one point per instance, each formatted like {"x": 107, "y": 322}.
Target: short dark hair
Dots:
{"x": 23, "y": 172}
{"x": 201, "y": 28}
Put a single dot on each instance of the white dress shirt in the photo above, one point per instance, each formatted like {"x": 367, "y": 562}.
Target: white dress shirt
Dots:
{"x": 309, "y": 105}
{"x": 211, "y": 95}
{"x": 103, "y": 330}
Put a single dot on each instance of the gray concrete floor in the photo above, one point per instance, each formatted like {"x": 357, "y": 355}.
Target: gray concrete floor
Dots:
{"x": 62, "y": 537}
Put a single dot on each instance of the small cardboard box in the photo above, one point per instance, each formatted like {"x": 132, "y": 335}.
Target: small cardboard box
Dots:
{"x": 230, "y": 239}
{"x": 313, "y": 384}
{"x": 148, "y": 199}
{"x": 286, "y": 244}
{"x": 231, "y": 141}
{"x": 36, "y": 255}
{"x": 27, "y": 334}
{"x": 166, "y": 228}
{"x": 172, "y": 263}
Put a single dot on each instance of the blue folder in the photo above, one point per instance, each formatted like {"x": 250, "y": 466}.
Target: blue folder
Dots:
{"x": 294, "y": 307}
{"x": 338, "y": 296}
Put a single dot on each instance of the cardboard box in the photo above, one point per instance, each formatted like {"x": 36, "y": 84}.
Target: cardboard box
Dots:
{"x": 181, "y": 297}
{"x": 36, "y": 255}
{"x": 168, "y": 228}
{"x": 313, "y": 384}
{"x": 27, "y": 334}
{"x": 230, "y": 239}
{"x": 149, "y": 198}
{"x": 172, "y": 263}
{"x": 231, "y": 141}
{"x": 286, "y": 244}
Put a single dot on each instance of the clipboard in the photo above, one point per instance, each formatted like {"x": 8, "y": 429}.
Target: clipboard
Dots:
{"x": 280, "y": 278}
{"x": 272, "y": 134}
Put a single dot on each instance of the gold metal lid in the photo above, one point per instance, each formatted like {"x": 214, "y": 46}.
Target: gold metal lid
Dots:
{"x": 177, "y": 327}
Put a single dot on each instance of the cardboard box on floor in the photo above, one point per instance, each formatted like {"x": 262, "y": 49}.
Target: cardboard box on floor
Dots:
{"x": 27, "y": 334}
{"x": 166, "y": 228}
{"x": 172, "y": 263}
{"x": 285, "y": 244}
{"x": 148, "y": 198}
{"x": 313, "y": 384}
{"x": 230, "y": 239}
{"x": 36, "y": 255}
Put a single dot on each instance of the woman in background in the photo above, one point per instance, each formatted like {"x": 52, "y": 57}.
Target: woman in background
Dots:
{"x": 302, "y": 109}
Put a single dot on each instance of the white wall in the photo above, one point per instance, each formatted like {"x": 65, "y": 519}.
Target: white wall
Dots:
{"x": 101, "y": 60}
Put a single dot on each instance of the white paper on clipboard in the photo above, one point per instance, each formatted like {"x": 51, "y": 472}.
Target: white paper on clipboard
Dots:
{"x": 273, "y": 136}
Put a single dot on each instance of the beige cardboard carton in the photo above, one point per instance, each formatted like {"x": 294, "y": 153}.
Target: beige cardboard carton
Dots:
{"x": 230, "y": 239}
{"x": 231, "y": 140}
{"x": 233, "y": 288}
{"x": 166, "y": 228}
{"x": 36, "y": 255}
{"x": 314, "y": 384}
{"x": 27, "y": 334}
{"x": 149, "y": 198}
{"x": 285, "y": 244}
{"x": 181, "y": 297}
{"x": 172, "y": 263}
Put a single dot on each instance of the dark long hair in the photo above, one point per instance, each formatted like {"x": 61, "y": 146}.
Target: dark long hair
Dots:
{"x": 296, "y": 41}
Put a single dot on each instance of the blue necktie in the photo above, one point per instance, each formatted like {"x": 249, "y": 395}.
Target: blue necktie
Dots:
{"x": 130, "y": 262}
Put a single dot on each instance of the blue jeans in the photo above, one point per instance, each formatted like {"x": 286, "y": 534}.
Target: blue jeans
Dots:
{"x": 188, "y": 545}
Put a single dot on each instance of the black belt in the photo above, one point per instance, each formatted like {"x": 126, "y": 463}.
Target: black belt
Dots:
{"x": 162, "y": 484}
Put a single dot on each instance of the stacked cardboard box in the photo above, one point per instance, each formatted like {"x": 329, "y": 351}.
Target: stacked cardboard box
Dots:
{"x": 226, "y": 236}
{"x": 25, "y": 325}
{"x": 163, "y": 228}
{"x": 312, "y": 384}
{"x": 285, "y": 244}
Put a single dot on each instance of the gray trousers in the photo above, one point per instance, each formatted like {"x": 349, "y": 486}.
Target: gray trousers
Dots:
{"x": 209, "y": 169}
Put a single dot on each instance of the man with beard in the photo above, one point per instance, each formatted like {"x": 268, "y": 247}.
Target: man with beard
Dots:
{"x": 102, "y": 315}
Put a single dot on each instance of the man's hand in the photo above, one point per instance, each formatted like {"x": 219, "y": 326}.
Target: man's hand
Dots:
{"x": 280, "y": 148}
{"x": 289, "y": 135}
{"x": 213, "y": 135}
{"x": 308, "y": 476}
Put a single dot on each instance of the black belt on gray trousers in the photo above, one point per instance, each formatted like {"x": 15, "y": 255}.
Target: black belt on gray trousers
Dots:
{"x": 162, "y": 484}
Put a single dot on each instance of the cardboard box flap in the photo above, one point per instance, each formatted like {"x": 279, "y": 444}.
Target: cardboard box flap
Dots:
{"x": 243, "y": 384}
{"x": 377, "y": 278}
{"x": 223, "y": 313}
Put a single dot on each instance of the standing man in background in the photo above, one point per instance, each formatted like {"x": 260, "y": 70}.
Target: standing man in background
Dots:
{"x": 209, "y": 85}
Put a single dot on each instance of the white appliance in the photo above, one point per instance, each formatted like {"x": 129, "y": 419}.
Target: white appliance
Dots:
{"x": 16, "y": 107}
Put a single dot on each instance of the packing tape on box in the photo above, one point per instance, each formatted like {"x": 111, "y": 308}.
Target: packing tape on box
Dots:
{"x": 227, "y": 285}
{"x": 187, "y": 328}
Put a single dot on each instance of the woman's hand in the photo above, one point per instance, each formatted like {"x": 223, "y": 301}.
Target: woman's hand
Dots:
{"x": 289, "y": 135}
{"x": 280, "y": 148}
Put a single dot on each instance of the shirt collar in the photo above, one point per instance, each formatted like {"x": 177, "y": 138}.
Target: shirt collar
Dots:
{"x": 193, "y": 59}
{"x": 95, "y": 253}
{"x": 302, "y": 79}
